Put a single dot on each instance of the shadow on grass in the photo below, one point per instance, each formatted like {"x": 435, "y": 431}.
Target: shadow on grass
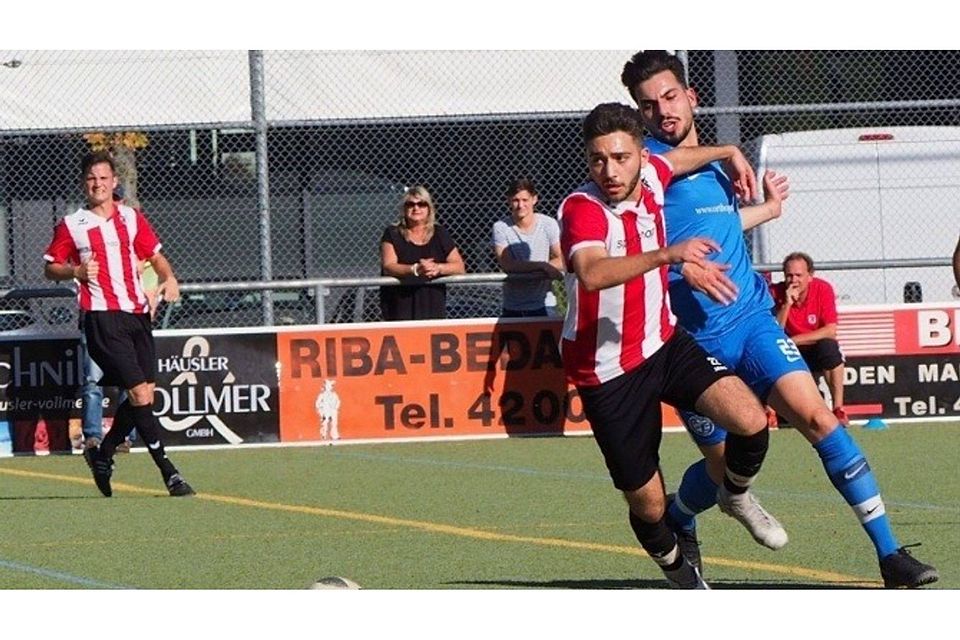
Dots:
{"x": 116, "y": 496}
{"x": 650, "y": 584}
{"x": 3, "y": 498}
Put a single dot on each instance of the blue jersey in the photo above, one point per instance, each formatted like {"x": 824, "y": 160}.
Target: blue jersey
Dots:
{"x": 703, "y": 204}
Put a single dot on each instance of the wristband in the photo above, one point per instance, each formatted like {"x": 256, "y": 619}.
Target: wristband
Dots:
{"x": 415, "y": 269}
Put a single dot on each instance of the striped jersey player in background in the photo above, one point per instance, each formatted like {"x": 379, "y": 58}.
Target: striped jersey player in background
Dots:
{"x": 101, "y": 246}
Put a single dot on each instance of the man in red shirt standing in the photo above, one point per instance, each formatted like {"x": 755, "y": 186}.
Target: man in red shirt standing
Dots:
{"x": 621, "y": 344}
{"x": 806, "y": 308}
{"x": 101, "y": 246}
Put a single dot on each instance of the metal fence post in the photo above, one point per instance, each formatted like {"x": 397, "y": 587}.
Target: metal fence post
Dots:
{"x": 682, "y": 55}
{"x": 259, "y": 116}
{"x": 727, "y": 83}
{"x": 319, "y": 303}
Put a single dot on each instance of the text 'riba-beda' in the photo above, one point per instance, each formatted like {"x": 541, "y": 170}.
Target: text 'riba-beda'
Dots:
{"x": 448, "y": 353}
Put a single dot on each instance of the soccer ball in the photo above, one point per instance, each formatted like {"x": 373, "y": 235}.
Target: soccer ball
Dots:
{"x": 335, "y": 582}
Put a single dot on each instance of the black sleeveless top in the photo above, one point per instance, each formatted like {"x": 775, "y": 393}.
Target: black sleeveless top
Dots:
{"x": 415, "y": 299}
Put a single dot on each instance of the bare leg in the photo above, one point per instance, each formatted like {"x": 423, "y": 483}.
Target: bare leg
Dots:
{"x": 796, "y": 396}
{"x": 835, "y": 382}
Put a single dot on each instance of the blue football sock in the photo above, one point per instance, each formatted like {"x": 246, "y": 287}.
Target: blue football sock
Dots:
{"x": 696, "y": 494}
{"x": 851, "y": 475}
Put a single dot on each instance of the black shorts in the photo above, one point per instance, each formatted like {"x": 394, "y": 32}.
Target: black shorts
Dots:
{"x": 122, "y": 345}
{"x": 624, "y": 413}
{"x": 822, "y": 355}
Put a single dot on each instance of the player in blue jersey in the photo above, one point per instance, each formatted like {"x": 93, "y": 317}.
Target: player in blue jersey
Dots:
{"x": 742, "y": 331}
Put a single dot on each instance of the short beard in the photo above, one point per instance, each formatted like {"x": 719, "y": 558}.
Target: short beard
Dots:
{"x": 630, "y": 190}
{"x": 673, "y": 139}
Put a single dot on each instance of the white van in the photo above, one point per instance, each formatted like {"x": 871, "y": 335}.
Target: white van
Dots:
{"x": 867, "y": 194}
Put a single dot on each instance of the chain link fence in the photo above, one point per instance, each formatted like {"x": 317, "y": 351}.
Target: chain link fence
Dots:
{"x": 287, "y": 166}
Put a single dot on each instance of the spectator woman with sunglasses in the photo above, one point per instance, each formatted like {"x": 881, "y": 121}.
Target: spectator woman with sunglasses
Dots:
{"x": 417, "y": 250}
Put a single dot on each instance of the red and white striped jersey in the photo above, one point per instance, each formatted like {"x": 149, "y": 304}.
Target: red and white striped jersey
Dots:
{"x": 118, "y": 244}
{"x": 610, "y": 332}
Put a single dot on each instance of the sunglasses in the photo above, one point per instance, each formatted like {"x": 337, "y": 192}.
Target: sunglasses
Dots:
{"x": 414, "y": 204}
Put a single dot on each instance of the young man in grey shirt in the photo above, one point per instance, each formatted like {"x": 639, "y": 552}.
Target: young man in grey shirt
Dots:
{"x": 527, "y": 242}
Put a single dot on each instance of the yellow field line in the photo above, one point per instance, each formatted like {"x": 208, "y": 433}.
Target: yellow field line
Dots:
{"x": 464, "y": 532}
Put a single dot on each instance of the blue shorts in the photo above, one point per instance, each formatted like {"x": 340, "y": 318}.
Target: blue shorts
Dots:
{"x": 758, "y": 351}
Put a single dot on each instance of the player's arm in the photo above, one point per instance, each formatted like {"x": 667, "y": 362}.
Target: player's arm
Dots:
{"x": 597, "y": 270}
{"x": 59, "y": 271}
{"x": 168, "y": 288}
{"x": 687, "y": 159}
{"x": 62, "y": 261}
{"x": 83, "y": 272}
{"x": 776, "y": 189}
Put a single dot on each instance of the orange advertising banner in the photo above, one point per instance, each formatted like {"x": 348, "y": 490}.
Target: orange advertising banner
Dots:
{"x": 427, "y": 379}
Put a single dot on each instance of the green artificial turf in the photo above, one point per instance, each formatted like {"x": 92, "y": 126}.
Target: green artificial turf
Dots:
{"x": 488, "y": 514}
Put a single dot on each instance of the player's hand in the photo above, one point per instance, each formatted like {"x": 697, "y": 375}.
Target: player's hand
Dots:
{"x": 776, "y": 189}
{"x": 694, "y": 250}
{"x": 169, "y": 290}
{"x": 742, "y": 175}
{"x": 711, "y": 280}
{"x": 88, "y": 269}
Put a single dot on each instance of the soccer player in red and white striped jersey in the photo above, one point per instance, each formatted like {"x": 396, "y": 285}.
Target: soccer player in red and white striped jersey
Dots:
{"x": 101, "y": 246}
{"x": 114, "y": 246}
{"x": 621, "y": 346}
{"x": 637, "y": 315}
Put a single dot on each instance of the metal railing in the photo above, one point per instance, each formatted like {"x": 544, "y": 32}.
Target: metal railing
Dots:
{"x": 318, "y": 301}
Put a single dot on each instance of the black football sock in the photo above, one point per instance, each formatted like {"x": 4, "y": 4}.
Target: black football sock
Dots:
{"x": 123, "y": 422}
{"x": 744, "y": 456}
{"x": 658, "y": 541}
{"x": 150, "y": 430}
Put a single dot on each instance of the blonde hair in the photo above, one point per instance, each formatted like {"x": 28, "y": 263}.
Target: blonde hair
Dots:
{"x": 420, "y": 192}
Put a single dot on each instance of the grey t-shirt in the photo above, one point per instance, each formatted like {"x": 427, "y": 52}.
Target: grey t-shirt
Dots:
{"x": 532, "y": 246}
